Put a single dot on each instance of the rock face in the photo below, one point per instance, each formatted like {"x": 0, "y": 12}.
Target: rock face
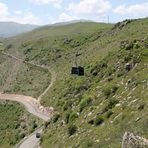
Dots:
{"x": 132, "y": 141}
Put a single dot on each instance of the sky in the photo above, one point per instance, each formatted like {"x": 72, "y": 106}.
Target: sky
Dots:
{"x": 43, "y": 12}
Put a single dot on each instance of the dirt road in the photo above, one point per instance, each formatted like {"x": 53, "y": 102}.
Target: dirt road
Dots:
{"x": 32, "y": 105}
{"x": 31, "y": 141}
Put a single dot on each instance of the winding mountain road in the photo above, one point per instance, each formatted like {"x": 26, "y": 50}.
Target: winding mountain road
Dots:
{"x": 32, "y": 105}
{"x": 31, "y": 141}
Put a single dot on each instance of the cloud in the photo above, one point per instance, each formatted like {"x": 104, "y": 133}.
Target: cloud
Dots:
{"x": 21, "y": 17}
{"x": 18, "y": 12}
{"x": 92, "y": 7}
{"x": 3, "y": 11}
{"x": 136, "y": 9}
{"x": 65, "y": 17}
{"x": 55, "y": 3}
{"x": 27, "y": 18}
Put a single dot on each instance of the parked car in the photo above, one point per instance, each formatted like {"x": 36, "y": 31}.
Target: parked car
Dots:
{"x": 38, "y": 135}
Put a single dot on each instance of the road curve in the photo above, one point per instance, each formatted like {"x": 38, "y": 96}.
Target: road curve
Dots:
{"x": 31, "y": 141}
{"x": 32, "y": 105}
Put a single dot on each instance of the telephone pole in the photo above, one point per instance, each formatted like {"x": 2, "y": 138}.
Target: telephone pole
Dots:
{"x": 108, "y": 19}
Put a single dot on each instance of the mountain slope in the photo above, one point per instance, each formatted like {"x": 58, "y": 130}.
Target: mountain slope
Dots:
{"x": 8, "y": 29}
{"x": 97, "y": 109}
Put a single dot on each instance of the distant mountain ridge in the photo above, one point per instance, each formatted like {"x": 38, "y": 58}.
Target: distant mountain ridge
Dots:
{"x": 9, "y": 29}
{"x": 70, "y": 22}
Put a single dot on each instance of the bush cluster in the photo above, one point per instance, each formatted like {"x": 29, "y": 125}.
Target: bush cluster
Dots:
{"x": 85, "y": 102}
{"x": 72, "y": 129}
{"x": 110, "y": 90}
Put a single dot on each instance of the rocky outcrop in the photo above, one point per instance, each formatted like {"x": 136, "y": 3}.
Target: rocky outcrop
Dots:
{"x": 132, "y": 141}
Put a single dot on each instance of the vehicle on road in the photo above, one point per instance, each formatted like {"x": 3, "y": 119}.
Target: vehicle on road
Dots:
{"x": 38, "y": 135}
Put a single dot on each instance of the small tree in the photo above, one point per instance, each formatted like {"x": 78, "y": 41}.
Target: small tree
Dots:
{"x": 99, "y": 120}
{"x": 85, "y": 102}
{"x": 72, "y": 129}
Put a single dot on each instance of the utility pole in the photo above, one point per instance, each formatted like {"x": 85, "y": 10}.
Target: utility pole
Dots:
{"x": 108, "y": 19}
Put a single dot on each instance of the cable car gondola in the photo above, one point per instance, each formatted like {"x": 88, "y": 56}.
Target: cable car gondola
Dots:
{"x": 77, "y": 70}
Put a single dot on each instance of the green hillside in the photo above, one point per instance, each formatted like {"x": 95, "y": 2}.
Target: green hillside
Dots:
{"x": 21, "y": 78}
{"x": 15, "y": 123}
{"x": 94, "y": 110}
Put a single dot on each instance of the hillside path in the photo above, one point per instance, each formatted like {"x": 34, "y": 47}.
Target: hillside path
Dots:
{"x": 52, "y": 72}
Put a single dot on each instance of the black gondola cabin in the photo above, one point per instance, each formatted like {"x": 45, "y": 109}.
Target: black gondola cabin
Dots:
{"x": 77, "y": 71}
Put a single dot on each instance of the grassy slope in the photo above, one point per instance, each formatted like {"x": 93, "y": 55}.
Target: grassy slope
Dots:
{"x": 44, "y": 49}
{"x": 82, "y": 101}
{"x": 15, "y": 123}
{"x": 46, "y": 38}
{"x": 69, "y": 92}
{"x": 21, "y": 78}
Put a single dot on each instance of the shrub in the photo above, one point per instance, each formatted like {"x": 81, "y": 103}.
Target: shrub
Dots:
{"x": 107, "y": 92}
{"x": 66, "y": 117}
{"x": 17, "y": 125}
{"x": 141, "y": 106}
{"x": 87, "y": 143}
{"x": 103, "y": 64}
{"x": 9, "y": 46}
{"x": 67, "y": 105}
{"x": 112, "y": 103}
{"x": 129, "y": 46}
{"x": 109, "y": 113}
{"x": 91, "y": 122}
{"x": 111, "y": 90}
{"x": 35, "y": 125}
{"x": 120, "y": 73}
{"x": 127, "y": 57}
{"x": 22, "y": 135}
{"x": 55, "y": 117}
{"x": 109, "y": 71}
{"x": 13, "y": 141}
{"x": 98, "y": 120}
{"x": 114, "y": 89}
{"x": 104, "y": 109}
{"x": 72, "y": 129}
{"x": 26, "y": 51}
{"x": 110, "y": 79}
{"x": 47, "y": 123}
{"x": 73, "y": 116}
{"x": 16, "y": 88}
{"x": 85, "y": 102}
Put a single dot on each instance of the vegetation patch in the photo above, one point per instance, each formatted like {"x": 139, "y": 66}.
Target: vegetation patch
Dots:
{"x": 15, "y": 123}
{"x": 72, "y": 129}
